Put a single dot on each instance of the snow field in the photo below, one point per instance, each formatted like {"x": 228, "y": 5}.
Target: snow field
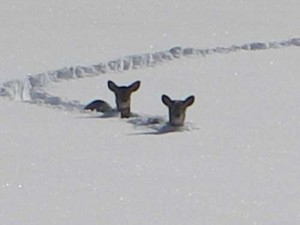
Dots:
{"x": 239, "y": 162}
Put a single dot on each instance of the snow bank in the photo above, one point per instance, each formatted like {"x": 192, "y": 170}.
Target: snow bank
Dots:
{"x": 33, "y": 88}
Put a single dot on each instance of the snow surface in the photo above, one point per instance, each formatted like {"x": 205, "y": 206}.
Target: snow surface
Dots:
{"x": 235, "y": 162}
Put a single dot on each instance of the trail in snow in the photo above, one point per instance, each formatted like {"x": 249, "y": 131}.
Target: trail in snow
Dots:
{"x": 32, "y": 89}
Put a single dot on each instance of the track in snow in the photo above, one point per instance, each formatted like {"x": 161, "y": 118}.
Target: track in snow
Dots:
{"x": 32, "y": 89}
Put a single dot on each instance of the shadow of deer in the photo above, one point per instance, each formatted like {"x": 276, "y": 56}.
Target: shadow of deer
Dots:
{"x": 176, "y": 122}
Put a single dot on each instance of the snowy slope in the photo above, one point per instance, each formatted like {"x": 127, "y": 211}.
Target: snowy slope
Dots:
{"x": 238, "y": 163}
{"x": 42, "y": 36}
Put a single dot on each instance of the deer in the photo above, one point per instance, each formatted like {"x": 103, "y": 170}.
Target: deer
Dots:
{"x": 177, "y": 109}
{"x": 122, "y": 99}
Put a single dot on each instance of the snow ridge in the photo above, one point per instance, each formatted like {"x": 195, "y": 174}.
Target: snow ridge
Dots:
{"x": 32, "y": 89}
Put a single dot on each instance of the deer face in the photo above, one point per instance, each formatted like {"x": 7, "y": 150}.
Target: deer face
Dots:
{"x": 177, "y": 109}
{"x": 123, "y": 94}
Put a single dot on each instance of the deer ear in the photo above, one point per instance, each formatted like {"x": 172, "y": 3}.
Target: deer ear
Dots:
{"x": 166, "y": 100}
{"x": 189, "y": 101}
{"x": 112, "y": 86}
{"x": 135, "y": 86}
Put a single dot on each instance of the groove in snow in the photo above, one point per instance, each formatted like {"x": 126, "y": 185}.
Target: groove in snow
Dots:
{"x": 32, "y": 89}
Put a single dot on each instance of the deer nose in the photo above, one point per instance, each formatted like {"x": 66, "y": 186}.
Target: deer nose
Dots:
{"x": 123, "y": 105}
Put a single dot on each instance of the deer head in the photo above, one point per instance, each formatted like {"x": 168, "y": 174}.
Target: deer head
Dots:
{"x": 123, "y": 94}
{"x": 177, "y": 109}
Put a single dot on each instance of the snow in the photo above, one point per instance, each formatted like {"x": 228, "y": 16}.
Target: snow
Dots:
{"x": 235, "y": 162}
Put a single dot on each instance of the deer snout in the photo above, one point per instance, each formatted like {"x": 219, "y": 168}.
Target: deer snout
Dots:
{"x": 123, "y": 104}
